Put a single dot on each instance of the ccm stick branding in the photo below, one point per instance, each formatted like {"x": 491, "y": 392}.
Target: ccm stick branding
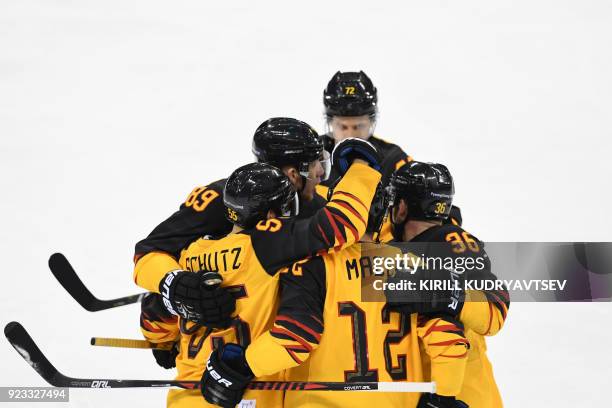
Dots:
{"x": 99, "y": 384}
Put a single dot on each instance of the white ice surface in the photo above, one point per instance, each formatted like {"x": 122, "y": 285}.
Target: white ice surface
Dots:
{"x": 111, "y": 111}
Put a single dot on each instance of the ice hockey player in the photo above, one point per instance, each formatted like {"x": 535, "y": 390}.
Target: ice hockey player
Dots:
{"x": 289, "y": 144}
{"x": 351, "y": 108}
{"x": 420, "y": 198}
{"x": 324, "y": 331}
{"x": 261, "y": 243}
{"x": 322, "y": 305}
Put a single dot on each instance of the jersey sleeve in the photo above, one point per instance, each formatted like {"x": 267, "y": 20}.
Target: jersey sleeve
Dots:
{"x": 342, "y": 222}
{"x": 156, "y": 323}
{"x": 202, "y": 213}
{"x": 445, "y": 343}
{"x": 299, "y": 323}
{"x": 485, "y": 311}
{"x": 310, "y": 208}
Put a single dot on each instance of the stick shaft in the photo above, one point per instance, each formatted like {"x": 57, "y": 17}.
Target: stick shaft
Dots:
{"x": 129, "y": 343}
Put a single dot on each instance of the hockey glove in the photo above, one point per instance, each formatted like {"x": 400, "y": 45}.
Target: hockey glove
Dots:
{"x": 353, "y": 148}
{"x": 438, "y": 401}
{"x": 166, "y": 358}
{"x": 197, "y": 296}
{"x": 424, "y": 297}
{"x": 226, "y": 376}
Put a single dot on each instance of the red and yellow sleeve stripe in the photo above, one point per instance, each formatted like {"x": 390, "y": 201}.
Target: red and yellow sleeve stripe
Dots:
{"x": 485, "y": 312}
{"x": 347, "y": 212}
{"x": 288, "y": 344}
{"x": 446, "y": 345}
{"x": 156, "y": 323}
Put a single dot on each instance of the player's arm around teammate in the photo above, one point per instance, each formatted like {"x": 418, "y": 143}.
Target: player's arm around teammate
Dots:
{"x": 289, "y": 144}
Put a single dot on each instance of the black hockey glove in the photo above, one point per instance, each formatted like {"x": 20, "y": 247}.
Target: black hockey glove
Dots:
{"x": 424, "y": 297}
{"x": 438, "y": 401}
{"x": 166, "y": 358}
{"x": 197, "y": 296}
{"x": 353, "y": 148}
{"x": 226, "y": 376}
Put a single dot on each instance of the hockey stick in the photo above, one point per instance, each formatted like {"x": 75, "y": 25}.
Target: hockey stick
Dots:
{"x": 129, "y": 343}
{"x": 25, "y": 346}
{"x": 67, "y": 277}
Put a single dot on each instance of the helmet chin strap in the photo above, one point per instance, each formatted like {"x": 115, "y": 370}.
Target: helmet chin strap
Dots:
{"x": 304, "y": 179}
{"x": 397, "y": 230}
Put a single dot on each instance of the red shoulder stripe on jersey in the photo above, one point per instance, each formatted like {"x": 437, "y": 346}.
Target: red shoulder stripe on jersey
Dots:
{"x": 354, "y": 197}
{"x": 294, "y": 356}
{"x": 348, "y": 225}
{"x": 504, "y": 294}
{"x": 350, "y": 208}
{"x": 300, "y": 325}
{"x": 450, "y": 342}
{"x": 169, "y": 320}
{"x": 137, "y": 257}
{"x": 499, "y": 304}
{"x": 444, "y": 327}
{"x": 303, "y": 343}
{"x": 324, "y": 237}
{"x": 334, "y": 226}
{"x": 457, "y": 356}
{"x": 317, "y": 319}
{"x": 149, "y": 327}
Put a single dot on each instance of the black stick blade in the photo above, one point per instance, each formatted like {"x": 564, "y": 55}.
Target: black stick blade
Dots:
{"x": 25, "y": 346}
{"x": 68, "y": 278}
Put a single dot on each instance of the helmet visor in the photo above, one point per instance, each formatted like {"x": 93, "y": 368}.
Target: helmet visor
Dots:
{"x": 325, "y": 160}
{"x": 342, "y": 127}
{"x": 378, "y": 210}
{"x": 389, "y": 200}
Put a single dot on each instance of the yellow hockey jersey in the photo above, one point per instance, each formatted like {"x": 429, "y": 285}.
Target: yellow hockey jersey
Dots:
{"x": 249, "y": 261}
{"x": 325, "y": 332}
{"x": 483, "y": 314}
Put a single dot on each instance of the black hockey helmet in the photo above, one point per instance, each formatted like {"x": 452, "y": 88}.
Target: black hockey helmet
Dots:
{"x": 254, "y": 189}
{"x": 288, "y": 141}
{"x": 350, "y": 94}
{"x": 427, "y": 189}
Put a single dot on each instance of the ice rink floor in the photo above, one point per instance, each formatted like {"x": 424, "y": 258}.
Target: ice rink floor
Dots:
{"x": 111, "y": 112}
